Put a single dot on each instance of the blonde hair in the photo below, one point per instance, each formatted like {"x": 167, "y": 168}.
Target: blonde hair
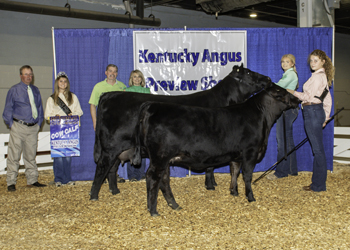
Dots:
{"x": 139, "y": 73}
{"x": 67, "y": 94}
{"x": 328, "y": 66}
{"x": 292, "y": 59}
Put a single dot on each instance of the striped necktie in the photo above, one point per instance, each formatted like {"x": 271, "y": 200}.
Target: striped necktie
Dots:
{"x": 32, "y": 102}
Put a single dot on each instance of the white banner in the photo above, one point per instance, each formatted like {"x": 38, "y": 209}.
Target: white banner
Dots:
{"x": 185, "y": 62}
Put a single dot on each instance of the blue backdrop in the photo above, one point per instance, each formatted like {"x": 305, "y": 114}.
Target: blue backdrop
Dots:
{"x": 84, "y": 54}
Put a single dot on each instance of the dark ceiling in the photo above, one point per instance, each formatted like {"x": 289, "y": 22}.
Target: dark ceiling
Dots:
{"x": 278, "y": 11}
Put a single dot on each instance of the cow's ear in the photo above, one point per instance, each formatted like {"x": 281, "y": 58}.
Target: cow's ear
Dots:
{"x": 241, "y": 65}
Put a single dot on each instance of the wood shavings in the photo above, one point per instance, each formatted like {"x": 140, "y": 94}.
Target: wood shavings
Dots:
{"x": 283, "y": 216}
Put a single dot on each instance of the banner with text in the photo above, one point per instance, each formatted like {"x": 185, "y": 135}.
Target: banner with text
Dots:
{"x": 64, "y": 136}
{"x": 185, "y": 62}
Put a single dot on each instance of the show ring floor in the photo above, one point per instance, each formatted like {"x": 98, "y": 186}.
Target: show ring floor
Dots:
{"x": 283, "y": 216}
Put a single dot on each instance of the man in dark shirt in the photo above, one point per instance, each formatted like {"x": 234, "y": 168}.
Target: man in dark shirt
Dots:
{"x": 24, "y": 114}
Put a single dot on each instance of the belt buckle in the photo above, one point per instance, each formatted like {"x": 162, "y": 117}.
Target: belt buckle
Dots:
{"x": 22, "y": 122}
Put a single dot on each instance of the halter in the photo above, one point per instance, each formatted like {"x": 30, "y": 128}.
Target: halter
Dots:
{"x": 237, "y": 79}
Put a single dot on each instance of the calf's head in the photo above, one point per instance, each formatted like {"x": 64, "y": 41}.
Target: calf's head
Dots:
{"x": 251, "y": 79}
{"x": 283, "y": 96}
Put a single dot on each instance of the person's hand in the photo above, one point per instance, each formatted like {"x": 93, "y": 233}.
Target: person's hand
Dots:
{"x": 324, "y": 124}
{"x": 290, "y": 91}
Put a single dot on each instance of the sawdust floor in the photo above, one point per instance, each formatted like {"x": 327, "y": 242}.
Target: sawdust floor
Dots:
{"x": 283, "y": 217}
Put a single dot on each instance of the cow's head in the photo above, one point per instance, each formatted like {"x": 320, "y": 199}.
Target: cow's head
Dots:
{"x": 283, "y": 96}
{"x": 250, "y": 78}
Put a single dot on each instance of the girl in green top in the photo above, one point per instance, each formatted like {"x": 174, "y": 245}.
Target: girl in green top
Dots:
{"x": 137, "y": 84}
{"x": 289, "y": 80}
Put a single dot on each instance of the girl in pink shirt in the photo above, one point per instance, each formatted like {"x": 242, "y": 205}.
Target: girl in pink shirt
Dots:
{"x": 316, "y": 112}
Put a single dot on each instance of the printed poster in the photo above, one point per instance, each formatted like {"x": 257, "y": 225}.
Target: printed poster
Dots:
{"x": 64, "y": 136}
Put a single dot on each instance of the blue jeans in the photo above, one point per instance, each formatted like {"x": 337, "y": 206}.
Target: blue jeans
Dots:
{"x": 289, "y": 165}
{"x": 62, "y": 169}
{"x": 136, "y": 172}
{"x": 314, "y": 117}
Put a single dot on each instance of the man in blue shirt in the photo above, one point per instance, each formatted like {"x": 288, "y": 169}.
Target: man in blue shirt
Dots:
{"x": 24, "y": 114}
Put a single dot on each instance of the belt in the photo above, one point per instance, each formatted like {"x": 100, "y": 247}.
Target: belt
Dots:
{"x": 308, "y": 103}
{"x": 24, "y": 123}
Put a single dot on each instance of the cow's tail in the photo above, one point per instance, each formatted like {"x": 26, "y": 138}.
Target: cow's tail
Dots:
{"x": 138, "y": 133}
{"x": 97, "y": 146}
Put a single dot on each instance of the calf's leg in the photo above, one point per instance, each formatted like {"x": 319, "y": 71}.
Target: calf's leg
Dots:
{"x": 153, "y": 178}
{"x": 112, "y": 178}
{"x": 247, "y": 170}
{"x": 102, "y": 169}
{"x": 166, "y": 190}
{"x": 234, "y": 170}
{"x": 210, "y": 179}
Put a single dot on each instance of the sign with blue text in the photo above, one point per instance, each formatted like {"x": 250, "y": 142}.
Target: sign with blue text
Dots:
{"x": 64, "y": 136}
{"x": 185, "y": 62}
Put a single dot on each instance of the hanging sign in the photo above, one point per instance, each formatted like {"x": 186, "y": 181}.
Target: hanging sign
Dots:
{"x": 64, "y": 136}
{"x": 185, "y": 62}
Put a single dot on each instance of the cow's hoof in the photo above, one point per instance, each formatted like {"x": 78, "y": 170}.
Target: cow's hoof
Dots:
{"x": 154, "y": 214}
{"x": 175, "y": 207}
{"x": 115, "y": 191}
{"x": 178, "y": 208}
{"x": 210, "y": 188}
{"x": 93, "y": 199}
{"x": 251, "y": 199}
{"x": 234, "y": 193}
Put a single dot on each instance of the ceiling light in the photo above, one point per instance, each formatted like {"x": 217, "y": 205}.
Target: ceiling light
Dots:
{"x": 253, "y": 15}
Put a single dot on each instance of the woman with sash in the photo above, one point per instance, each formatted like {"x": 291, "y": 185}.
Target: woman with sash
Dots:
{"x": 62, "y": 103}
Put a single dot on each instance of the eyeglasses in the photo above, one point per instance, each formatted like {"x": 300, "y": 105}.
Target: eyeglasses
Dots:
{"x": 27, "y": 74}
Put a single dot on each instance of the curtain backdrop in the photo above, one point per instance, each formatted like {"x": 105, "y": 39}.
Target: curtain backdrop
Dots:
{"x": 84, "y": 54}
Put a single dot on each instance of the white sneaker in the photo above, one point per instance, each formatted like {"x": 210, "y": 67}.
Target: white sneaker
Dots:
{"x": 71, "y": 183}
{"x": 58, "y": 184}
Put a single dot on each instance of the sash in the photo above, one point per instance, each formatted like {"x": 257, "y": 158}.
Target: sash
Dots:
{"x": 62, "y": 105}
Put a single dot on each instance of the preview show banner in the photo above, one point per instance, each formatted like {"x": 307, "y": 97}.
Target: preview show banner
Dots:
{"x": 185, "y": 62}
{"x": 64, "y": 136}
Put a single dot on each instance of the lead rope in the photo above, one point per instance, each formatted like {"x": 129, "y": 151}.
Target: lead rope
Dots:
{"x": 294, "y": 149}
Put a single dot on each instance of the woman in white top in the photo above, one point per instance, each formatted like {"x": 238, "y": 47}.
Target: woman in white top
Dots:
{"x": 62, "y": 165}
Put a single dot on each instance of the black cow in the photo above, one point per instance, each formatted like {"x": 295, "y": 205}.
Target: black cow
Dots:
{"x": 203, "y": 137}
{"x": 117, "y": 116}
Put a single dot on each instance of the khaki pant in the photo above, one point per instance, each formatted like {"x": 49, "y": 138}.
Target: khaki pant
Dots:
{"x": 22, "y": 138}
